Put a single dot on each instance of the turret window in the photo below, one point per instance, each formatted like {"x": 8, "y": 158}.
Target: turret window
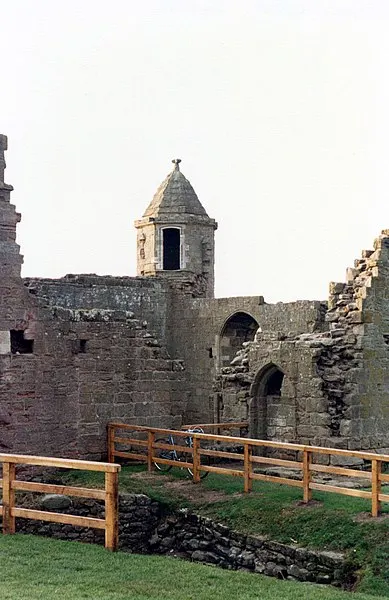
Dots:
{"x": 171, "y": 249}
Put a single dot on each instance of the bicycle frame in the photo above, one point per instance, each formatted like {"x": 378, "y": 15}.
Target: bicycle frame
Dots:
{"x": 173, "y": 455}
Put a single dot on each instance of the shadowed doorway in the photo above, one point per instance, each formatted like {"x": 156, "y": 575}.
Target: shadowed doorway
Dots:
{"x": 266, "y": 393}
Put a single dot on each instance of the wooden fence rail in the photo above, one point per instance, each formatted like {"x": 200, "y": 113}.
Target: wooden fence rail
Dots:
{"x": 11, "y": 484}
{"x": 219, "y": 427}
{"x": 149, "y": 441}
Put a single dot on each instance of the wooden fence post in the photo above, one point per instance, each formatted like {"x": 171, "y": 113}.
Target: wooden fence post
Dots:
{"x": 8, "y": 497}
{"x": 150, "y": 450}
{"x": 375, "y": 487}
{"x": 110, "y": 443}
{"x": 307, "y": 459}
{"x": 196, "y": 460}
{"x": 248, "y": 482}
{"x": 111, "y": 510}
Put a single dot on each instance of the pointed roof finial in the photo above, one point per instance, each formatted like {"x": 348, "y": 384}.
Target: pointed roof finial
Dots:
{"x": 176, "y": 162}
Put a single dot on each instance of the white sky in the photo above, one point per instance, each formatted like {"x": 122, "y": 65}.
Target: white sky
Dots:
{"x": 278, "y": 109}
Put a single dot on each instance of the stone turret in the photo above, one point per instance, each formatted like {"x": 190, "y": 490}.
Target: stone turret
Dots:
{"x": 175, "y": 237}
{"x": 10, "y": 258}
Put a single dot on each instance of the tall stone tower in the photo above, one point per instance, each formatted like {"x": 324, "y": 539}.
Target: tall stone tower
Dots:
{"x": 175, "y": 237}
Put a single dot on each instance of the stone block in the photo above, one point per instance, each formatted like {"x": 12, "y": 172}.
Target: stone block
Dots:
{"x": 55, "y": 502}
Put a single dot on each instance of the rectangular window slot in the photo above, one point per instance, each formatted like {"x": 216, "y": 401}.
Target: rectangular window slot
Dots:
{"x": 19, "y": 345}
{"x": 83, "y": 346}
{"x": 386, "y": 338}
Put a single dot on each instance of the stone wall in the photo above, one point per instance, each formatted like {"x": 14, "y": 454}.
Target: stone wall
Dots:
{"x": 190, "y": 327}
{"x": 147, "y": 527}
{"x": 336, "y": 382}
{"x": 196, "y": 330}
{"x": 88, "y": 367}
{"x": 359, "y": 316}
{"x": 148, "y": 298}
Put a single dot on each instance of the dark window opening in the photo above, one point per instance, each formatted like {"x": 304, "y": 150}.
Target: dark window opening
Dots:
{"x": 82, "y": 348}
{"x": 386, "y": 338}
{"x": 19, "y": 345}
{"x": 274, "y": 384}
{"x": 79, "y": 346}
{"x": 210, "y": 352}
{"x": 171, "y": 249}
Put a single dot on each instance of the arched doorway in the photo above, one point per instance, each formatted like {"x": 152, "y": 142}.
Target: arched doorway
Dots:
{"x": 266, "y": 399}
{"x": 240, "y": 327}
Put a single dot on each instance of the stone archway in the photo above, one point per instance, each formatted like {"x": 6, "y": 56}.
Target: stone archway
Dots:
{"x": 266, "y": 397}
{"x": 239, "y": 328}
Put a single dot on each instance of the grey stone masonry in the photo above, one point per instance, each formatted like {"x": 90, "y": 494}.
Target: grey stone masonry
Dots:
{"x": 147, "y": 527}
{"x": 335, "y": 383}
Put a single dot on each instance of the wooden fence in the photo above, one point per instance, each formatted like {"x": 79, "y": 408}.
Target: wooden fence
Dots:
{"x": 11, "y": 484}
{"x": 307, "y": 459}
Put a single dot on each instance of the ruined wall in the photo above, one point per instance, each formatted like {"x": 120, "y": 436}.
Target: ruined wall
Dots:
{"x": 195, "y": 332}
{"x": 290, "y": 412}
{"x": 67, "y": 366}
{"x": 88, "y": 367}
{"x": 336, "y": 382}
{"x": 147, "y": 298}
{"x": 79, "y": 351}
{"x": 359, "y": 315}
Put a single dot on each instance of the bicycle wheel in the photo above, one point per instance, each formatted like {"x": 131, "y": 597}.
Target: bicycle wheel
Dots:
{"x": 164, "y": 453}
{"x": 205, "y": 460}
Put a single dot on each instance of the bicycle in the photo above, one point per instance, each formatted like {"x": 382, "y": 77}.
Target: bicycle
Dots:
{"x": 174, "y": 455}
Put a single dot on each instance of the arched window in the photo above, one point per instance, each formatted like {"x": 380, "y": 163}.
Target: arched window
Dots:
{"x": 240, "y": 327}
{"x": 171, "y": 249}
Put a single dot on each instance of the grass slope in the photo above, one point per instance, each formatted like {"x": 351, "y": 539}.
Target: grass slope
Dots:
{"x": 274, "y": 510}
{"x": 34, "y": 568}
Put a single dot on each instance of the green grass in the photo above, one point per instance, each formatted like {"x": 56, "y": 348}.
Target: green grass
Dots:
{"x": 155, "y": 489}
{"x": 34, "y": 568}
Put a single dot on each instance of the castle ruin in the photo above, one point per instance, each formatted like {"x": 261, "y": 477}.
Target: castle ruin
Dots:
{"x": 158, "y": 349}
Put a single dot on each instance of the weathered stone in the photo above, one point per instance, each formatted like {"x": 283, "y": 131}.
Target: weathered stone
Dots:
{"x": 56, "y": 502}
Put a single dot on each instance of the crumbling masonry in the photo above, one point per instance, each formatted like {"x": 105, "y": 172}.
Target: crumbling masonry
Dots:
{"x": 159, "y": 349}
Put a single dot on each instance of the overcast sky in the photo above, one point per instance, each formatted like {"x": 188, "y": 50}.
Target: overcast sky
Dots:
{"x": 277, "y": 108}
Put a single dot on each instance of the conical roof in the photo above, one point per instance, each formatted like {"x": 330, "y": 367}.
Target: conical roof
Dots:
{"x": 175, "y": 195}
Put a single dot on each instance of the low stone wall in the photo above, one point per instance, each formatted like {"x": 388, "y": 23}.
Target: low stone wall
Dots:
{"x": 200, "y": 539}
{"x": 139, "y": 517}
{"x": 148, "y": 527}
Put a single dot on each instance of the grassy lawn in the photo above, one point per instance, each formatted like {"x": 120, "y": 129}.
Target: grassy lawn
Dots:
{"x": 34, "y": 568}
{"x": 332, "y": 522}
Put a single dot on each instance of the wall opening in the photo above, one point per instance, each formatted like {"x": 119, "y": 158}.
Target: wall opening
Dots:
{"x": 266, "y": 392}
{"x": 171, "y": 249}
{"x": 240, "y": 327}
{"x": 83, "y": 346}
{"x": 19, "y": 345}
{"x": 79, "y": 346}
